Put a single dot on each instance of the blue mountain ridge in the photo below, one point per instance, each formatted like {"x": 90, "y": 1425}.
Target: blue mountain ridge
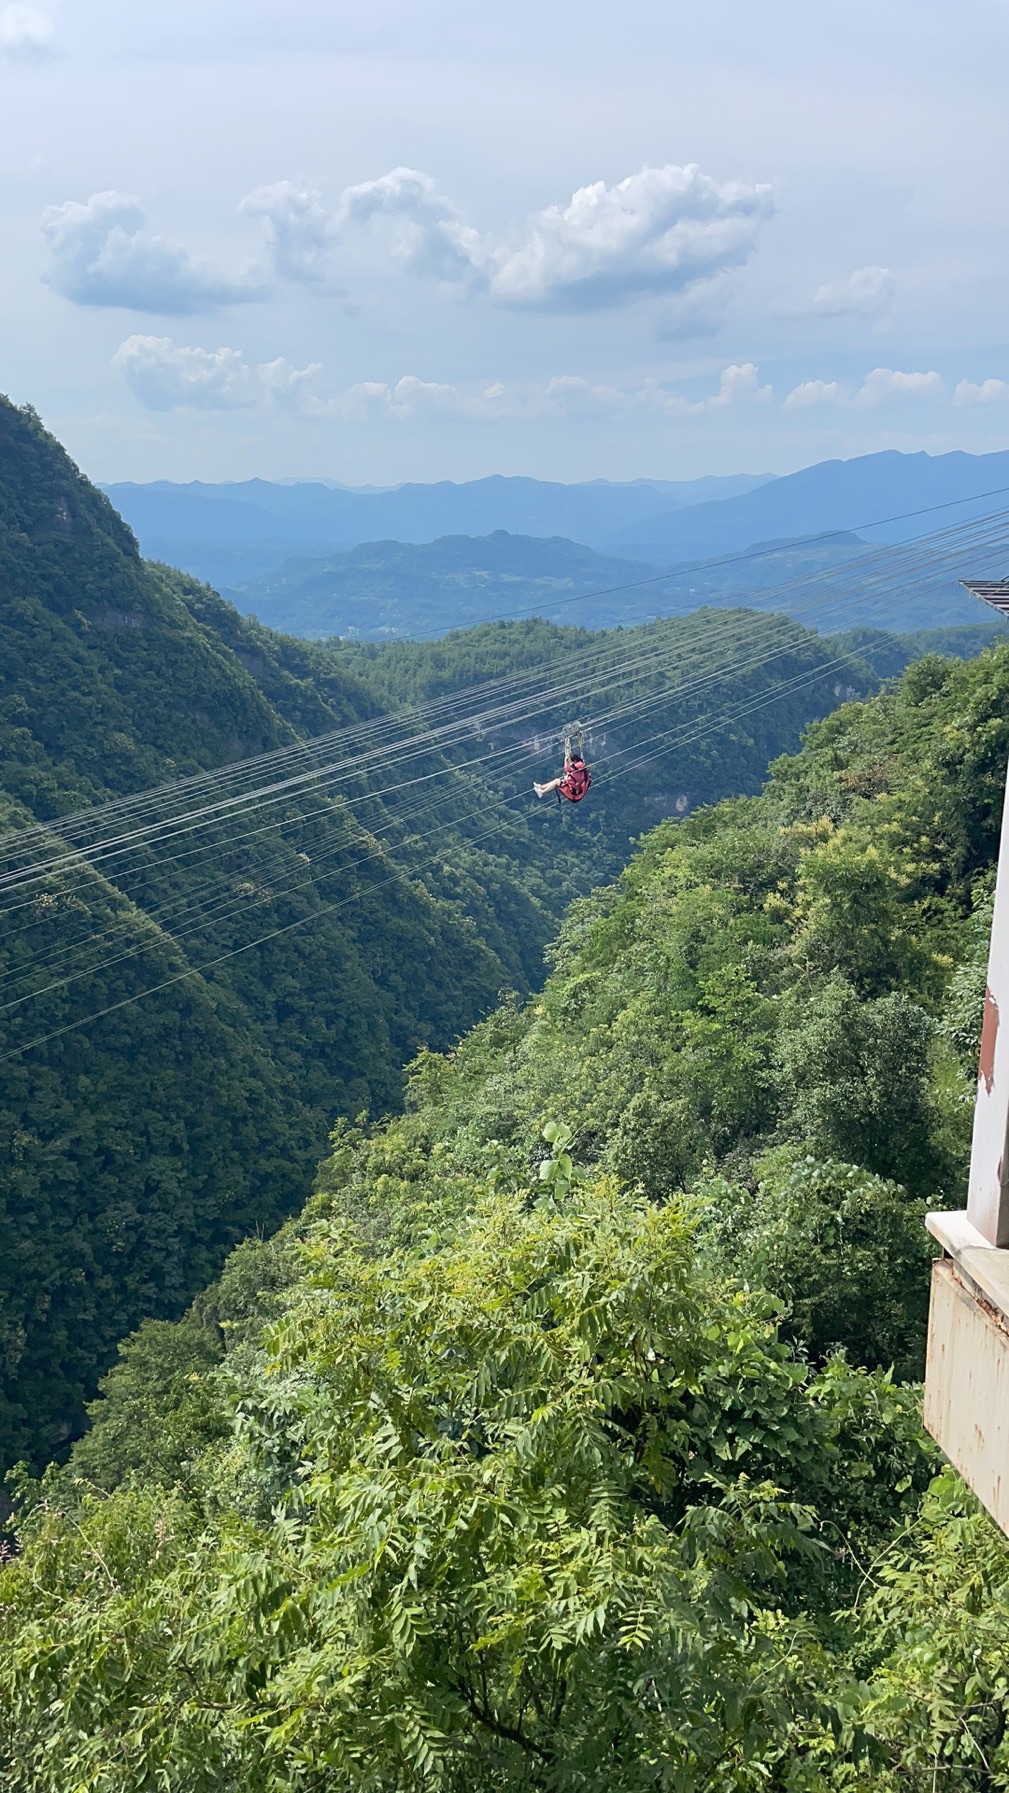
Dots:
{"x": 229, "y": 533}
{"x": 832, "y": 495}
{"x": 255, "y": 538}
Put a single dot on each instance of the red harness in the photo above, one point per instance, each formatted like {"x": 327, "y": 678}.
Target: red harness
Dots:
{"x": 575, "y": 782}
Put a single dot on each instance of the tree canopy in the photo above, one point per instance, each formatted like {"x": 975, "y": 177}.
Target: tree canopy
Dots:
{"x": 569, "y": 1438}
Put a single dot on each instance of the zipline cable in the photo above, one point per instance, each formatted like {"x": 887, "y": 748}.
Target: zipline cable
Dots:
{"x": 814, "y": 674}
{"x": 653, "y": 701}
{"x": 604, "y": 676}
{"x": 428, "y": 741}
{"x": 396, "y": 875}
{"x": 665, "y": 576}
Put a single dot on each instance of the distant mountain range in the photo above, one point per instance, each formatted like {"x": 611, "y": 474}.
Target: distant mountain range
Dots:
{"x": 230, "y": 533}
{"x": 315, "y": 560}
{"x": 860, "y": 495}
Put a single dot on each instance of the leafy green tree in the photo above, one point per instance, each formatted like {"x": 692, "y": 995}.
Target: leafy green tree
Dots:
{"x": 857, "y": 1077}
{"x": 845, "y": 1250}
{"x": 538, "y": 1511}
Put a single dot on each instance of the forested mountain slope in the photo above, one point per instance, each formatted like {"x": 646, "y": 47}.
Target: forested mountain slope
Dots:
{"x": 144, "y": 1143}
{"x": 390, "y": 590}
{"x": 385, "y": 589}
{"x": 184, "y": 1017}
{"x": 524, "y": 1459}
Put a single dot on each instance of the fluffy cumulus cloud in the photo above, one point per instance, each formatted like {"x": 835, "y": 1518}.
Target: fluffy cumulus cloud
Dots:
{"x": 867, "y": 292}
{"x": 738, "y": 385}
{"x": 989, "y": 392}
{"x": 566, "y": 395}
{"x": 103, "y": 253}
{"x": 814, "y": 392}
{"x": 572, "y": 395}
{"x": 886, "y": 384}
{"x": 660, "y": 232}
{"x": 883, "y": 386}
{"x": 168, "y": 376}
{"x": 412, "y": 397}
{"x": 428, "y": 235}
{"x": 26, "y": 35}
{"x": 165, "y": 376}
{"x": 298, "y": 228}
{"x": 672, "y": 233}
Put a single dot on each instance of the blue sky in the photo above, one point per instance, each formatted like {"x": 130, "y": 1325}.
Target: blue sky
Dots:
{"x": 386, "y": 241}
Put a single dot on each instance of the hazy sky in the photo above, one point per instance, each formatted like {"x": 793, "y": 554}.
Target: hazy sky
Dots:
{"x": 388, "y": 241}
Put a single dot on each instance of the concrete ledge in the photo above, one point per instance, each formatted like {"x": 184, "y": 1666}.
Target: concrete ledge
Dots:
{"x": 982, "y": 1266}
{"x": 967, "y": 1385}
{"x": 955, "y": 1232}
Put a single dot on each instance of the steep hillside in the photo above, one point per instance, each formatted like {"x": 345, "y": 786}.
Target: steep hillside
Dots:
{"x": 526, "y": 1457}
{"x": 144, "y": 1140}
{"x": 796, "y": 972}
{"x": 185, "y": 1012}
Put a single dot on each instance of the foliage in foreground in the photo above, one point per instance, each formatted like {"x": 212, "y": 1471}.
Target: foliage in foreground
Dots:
{"x": 550, "y": 1507}
{"x": 539, "y": 1474}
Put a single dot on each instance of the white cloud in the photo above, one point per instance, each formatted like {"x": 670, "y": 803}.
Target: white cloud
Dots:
{"x": 428, "y": 235}
{"x": 284, "y": 384}
{"x": 411, "y": 397}
{"x": 298, "y": 228}
{"x": 739, "y": 384}
{"x": 990, "y": 392}
{"x": 571, "y": 394}
{"x": 167, "y": 376}
{"x": 661, "y": 231}
{"x": 867, "y": 292}
{"x": 104, "y": 254}
{"x": 884, "y": 384}
{"x": 26, "y": 34}
{"x": 671, "y": 232}
{"x": 815, "y": 392}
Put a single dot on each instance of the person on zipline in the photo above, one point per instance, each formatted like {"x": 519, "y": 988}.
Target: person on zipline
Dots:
{"x": 575, "y": 779}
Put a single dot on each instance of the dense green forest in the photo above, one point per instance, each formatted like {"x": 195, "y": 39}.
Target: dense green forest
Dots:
{"x": 569, "y": 1439}
{"x": 290, "y": 964}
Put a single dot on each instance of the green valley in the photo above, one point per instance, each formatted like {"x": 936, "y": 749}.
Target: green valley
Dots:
{"x": 185, "y": 1015}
